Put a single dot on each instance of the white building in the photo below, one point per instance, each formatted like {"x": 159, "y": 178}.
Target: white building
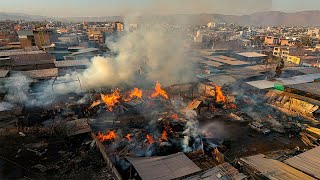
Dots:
{"x": 199, "y": 37}
{"x": 248, "y": 34}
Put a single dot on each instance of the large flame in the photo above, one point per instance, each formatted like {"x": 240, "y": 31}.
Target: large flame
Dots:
{"x": 135, "y": 93}
{"x": 164, "y": 136}
{"x": 150, "y": 139}
{"x": 111, "y": 99}
{"x": 108, "y": 136}
{"x": 159, "y": 91}
{"x": 219, "y": 96}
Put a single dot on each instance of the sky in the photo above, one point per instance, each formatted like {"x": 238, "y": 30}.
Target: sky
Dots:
{"x": 72, "y": 8}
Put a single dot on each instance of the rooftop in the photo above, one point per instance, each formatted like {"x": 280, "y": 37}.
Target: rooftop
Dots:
{"x": 86, "y": 50}
{"x": 273, "y": 169}
{"x": 19, "y": 52}
{"x": 40, "y": 74}
{"x": 265, "y": 84}
{"x": 307, "y": 162}
{"x": 227, "y": 60}
{"x": 223, "y": 171}
{"x": 71, "y": 63}
{"x": 251, "y": 54}
{"x": 313, "y": 88}
{"x": 164, "y": 167}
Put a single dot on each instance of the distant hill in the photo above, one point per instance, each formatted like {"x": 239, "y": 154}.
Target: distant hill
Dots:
{"x": 26, "y": 17}
{"x": 304, "y": 18}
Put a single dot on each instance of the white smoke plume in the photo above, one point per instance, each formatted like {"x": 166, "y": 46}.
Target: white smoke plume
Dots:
{"x": 191, "y": 130}
{"x": 17, "y": 89}
{"x": 154, "y": 47}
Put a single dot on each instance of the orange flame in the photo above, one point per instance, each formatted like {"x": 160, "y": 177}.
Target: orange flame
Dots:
{"x": 175, "y": 116}
{"x": 233, "y": 106}
{"x": 159, "y": 91}
{"x": 219, "y": 97}
{"x": 150, "y": 139}
{"x": 109, "y": 136}
{"x": 128, "y": 137}
{"x": 94, "y": 104}
{"x": 111, "y": 99}
{"x": 135, "y": 93}
{"x": 164, "y": 136}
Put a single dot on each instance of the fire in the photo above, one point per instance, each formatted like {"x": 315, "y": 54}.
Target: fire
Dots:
{"x": 128, "y": 137}
{"x": 109, "y": 136}
{"x": 164, "y": 136}
{"x": 150, "y": 139}
{"x": 94, "y": 104}
{"x": 175, "y": 116}
{"x": 159, "y": 91}
{"x": 233, "y": 106}
{"x": 219, "y": 96}
{"x": 111, "y": 99}
{"x": 135, "y": 93}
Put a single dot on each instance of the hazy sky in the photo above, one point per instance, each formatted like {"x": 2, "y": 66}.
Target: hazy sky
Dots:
{"x": 63, "y": 8}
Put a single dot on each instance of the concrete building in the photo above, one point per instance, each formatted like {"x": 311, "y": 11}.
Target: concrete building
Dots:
{"x": 252, "y": 57}
{"x": 313, "y": 32}
{"x": 96, "y": 36}
{"x": 248, "y": 34}
{"x": 36, "y": 38}
{"x": 199, "y": 37}
{"x": 271, "y": 40}
{"x": 284, "y": 52}
{"x": 286, "y": 42}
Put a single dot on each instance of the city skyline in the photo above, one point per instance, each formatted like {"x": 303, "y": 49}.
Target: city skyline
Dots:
{"x": 78, "y": 8}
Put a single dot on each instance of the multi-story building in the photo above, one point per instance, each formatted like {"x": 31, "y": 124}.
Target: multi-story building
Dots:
{"x": 271, "y": 40}
{"x": 248, "y": 34}
{"x": 313, "y": 32}
{"x": 36, "y": 38}
{"x": 96, "y": 36}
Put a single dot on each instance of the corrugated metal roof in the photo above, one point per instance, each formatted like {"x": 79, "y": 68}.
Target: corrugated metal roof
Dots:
{"x": 87, "y": 50}
{"x": 221, "y": 172}
{"x": 273, "y": 169}
{"x": 262, "y": 84}
{"x": 19, "y": 52}
{"x": 3, "y": 73}
{"x": 25, "y": 33}
{"x": 212, "y": 63}
{"x": 251, "y": 54}
{"x": 265, "y": 84}
{"x": 71, "y": 63}
{"x": 308, "y": 162}
{"x": 165, "y": 167}
{"x": 227, "y": 60}
{"x": 39, "y": 74}
{"x": 313, "y": 88}
{"x": 222, "y": 80}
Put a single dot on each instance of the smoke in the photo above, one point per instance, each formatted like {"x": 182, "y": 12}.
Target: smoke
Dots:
{"x": 154, "y": 48}
{"x": 5, "y": 106}
{"x": 17, "y": 88}
{"x": 191, "y": 130}
{"x": 156, "y": 51}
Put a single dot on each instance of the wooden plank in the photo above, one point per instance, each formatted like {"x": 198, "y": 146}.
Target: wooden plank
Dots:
{"x": 105, "y": 157}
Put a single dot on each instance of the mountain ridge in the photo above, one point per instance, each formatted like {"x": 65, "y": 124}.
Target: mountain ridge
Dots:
{"x": 268, "y": 18}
